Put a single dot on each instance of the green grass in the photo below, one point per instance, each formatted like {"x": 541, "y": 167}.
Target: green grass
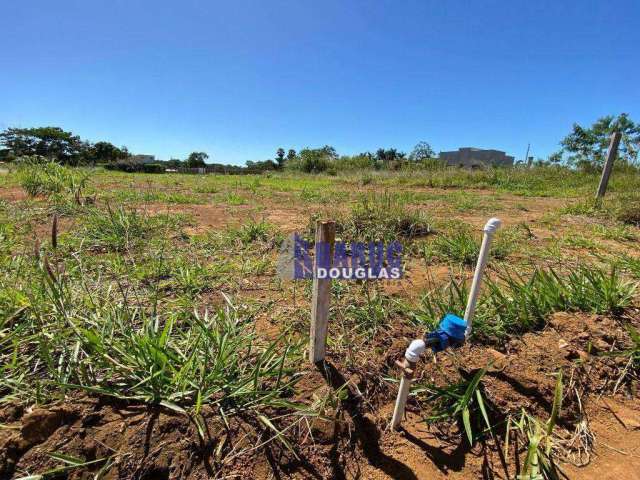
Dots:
{"x": 157, "y": 196}
{"x": 514, "y": 304}
{"x": 461, "y": 245}
{"x": 630, "y": 264}
{"x": 463, "y": 402}
{"x": 617, "y": 232}
{"x": 117, "y": 229}
{"x": 537, "y": 435}
{"x": 73, "y": 334}
{"x": 623, "y": 207}
{"x": 128, "y": 305}
{"x": 537, "y": 181}
{"x": 232, "y": 198}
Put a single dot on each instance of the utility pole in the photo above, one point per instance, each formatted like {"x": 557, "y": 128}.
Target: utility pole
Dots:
{"x": 526, "y": 157}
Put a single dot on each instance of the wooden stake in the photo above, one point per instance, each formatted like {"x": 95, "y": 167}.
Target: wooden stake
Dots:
{"x": 608, "y": 165}
{"x": 325, "y": 236}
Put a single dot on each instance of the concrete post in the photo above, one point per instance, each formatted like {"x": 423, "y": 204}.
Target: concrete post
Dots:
{"x": 608, "y": 165}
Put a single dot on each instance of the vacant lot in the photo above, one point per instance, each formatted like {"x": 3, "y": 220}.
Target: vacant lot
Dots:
{"x": 144, "y": 332}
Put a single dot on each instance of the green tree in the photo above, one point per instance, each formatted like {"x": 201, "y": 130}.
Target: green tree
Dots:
{"x": 315, "y": 160}
{"x": 105, "y": 152}
{"x": 50, "y": 142}
{"x": 422, "y": 151}
{"x": 555, "y": 158}
{"x": 389, "y": 155}
{"x": 329, "y": 151}
{"x": 196, "y": 160}
{"x": 174, "y": 163}
{"x": 587, "y": 147}
{"x": 280, "y": 158}
{"x": 291, "y": 155}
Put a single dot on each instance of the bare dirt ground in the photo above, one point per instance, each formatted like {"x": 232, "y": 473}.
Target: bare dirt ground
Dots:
{"x": 158, "y": 443}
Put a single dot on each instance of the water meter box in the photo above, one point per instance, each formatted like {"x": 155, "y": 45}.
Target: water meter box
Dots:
{"x": 450, "y": 333}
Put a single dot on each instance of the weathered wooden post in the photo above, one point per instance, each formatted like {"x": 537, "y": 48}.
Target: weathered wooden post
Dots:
{"x": 608, "y": 165}
{"x": 325, "y": 239}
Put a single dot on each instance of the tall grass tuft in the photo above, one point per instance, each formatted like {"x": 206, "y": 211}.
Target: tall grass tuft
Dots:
{"x": 38, "y": 176}
{"x": 463, "y": 402}
{"x": 383, "y": 217}
{"x": 116, "y": 229}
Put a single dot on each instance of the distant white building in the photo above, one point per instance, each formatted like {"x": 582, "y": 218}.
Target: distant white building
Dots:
{"x": 476, "y": 157}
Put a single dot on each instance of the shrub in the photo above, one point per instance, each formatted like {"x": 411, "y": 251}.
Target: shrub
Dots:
{"x": 124, "y": 166}
{"x": 313, "y": 161}
{"x": 152, "y": 168}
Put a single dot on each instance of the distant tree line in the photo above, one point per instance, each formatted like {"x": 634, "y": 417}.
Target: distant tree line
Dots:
{"x": 584, "y": 148}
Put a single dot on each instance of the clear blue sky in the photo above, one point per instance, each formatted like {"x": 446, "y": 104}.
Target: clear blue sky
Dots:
{"x": 238, "y": 79}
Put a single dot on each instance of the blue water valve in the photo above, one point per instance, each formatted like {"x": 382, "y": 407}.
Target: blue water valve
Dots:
{"x": 450, "y": 333}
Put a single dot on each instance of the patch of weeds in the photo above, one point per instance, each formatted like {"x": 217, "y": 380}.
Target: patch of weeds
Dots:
{"x": 102, "y": 341}
{"x": 462, "y": 245}
{"x": 623, "y": 208}
{"x": 537, "y": 434}
{"x": 370, "y": 314}
{"x": 257, "y": 266}
{"x": 580, "y": 241}
{"x": 463, "y": 402}
{"x": 381, "y": 217}
{"x": 6, "y": 236}
{"x": 465, "y": 201}
{"x": 630, "y": 264}
{"x": 121, "y": 229}
{"x": 310, "y": 195}
{"x": 366, "y": 179}
{"x": 233, "y": 198}
{"x": 156, "y": 196}
{"x": 459, "y": 247}
{"x": 617, "y": 232}
{"x": 512, "y": 304}
{"x": 192, "y": 277}
{"x": 253, "y": 231}
{"x": 626, "y": 208}
{"x": 587, "y": 208}
{"x": 632, "y": 353}
{"x": 206, "y": 189}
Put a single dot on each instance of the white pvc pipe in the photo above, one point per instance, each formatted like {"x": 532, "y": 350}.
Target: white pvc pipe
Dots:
{"x": 489, "y": 230}
{"x": 412, "y": 355}
{"x": 401, "y": 401}
{"x": 417, "y": 347}
{"x": 415, "y": 350}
